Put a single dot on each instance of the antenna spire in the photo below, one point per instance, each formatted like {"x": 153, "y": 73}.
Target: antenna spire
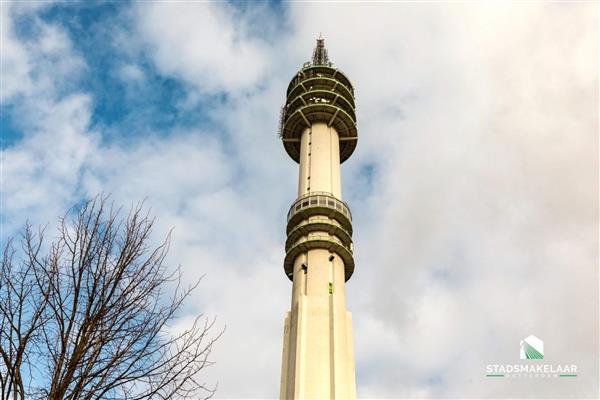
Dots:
{"x": 320, "y": 56}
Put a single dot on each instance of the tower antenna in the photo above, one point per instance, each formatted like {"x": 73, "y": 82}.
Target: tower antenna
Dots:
{"x": 320, "y": 56}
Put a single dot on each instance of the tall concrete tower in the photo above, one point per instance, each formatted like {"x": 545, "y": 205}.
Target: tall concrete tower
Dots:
{"x": 318, "y": 129}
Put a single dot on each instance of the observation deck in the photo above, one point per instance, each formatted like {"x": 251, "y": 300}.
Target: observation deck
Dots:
{"x": 319, "y": 203}
{"x": 319, "y": 92}
{"x": 319, "y": 220}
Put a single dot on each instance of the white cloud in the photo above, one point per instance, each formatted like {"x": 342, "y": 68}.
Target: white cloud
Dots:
{"x": 14, "y": 60}
{"x": 203, "y": 43}
{"x": 131, "y": 73}
{"x": 41, "y": 171}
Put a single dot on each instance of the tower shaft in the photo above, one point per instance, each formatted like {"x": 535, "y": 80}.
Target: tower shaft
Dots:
{"x": 318, "y": 358}
{"x": 318, "y": 129}
{"x": 320, "y": 161}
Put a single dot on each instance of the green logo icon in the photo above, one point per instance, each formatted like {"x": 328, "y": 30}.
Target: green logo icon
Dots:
{"x": 532, "y": 348}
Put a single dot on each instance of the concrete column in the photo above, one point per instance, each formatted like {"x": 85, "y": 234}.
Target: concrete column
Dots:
{"x": 320, "y": 161}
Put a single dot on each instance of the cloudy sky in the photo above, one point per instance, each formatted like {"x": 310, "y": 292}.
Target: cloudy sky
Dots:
{"x": 474, "y": 185}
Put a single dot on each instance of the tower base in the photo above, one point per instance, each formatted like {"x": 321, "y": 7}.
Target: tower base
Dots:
{"x": 318, "y": 356}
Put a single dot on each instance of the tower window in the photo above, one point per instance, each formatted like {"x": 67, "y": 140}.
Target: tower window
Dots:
{"x": 330, "y": 287}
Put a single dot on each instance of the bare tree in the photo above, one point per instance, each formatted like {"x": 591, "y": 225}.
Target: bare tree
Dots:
{"x": 88, "y": 317}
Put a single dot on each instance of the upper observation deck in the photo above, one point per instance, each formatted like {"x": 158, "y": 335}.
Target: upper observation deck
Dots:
{"x": 322, "y": 93}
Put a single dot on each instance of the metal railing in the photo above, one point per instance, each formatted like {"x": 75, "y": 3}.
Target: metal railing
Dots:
{"x": 281, "y": 121}
{"x": 319, "y": 199}
{"x": 321, "y": 82}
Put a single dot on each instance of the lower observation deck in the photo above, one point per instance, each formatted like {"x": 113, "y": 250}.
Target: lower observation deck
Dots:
{"x": 319, "y": 220}
{"x": 319, "y": 203}
{"x": 318, "y": 224}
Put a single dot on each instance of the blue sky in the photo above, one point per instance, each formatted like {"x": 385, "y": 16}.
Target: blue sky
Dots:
{"x": 120, "y": 107}
{"x": 473, "y": 187}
